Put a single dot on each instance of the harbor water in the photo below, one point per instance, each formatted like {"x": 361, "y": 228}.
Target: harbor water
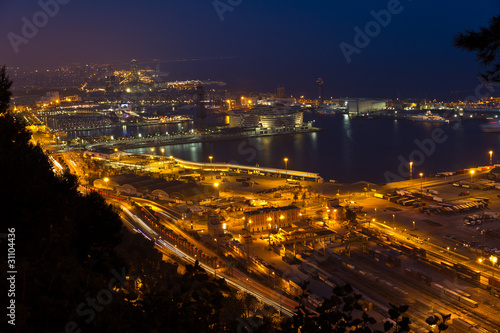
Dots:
{"x": 348, "y": 150}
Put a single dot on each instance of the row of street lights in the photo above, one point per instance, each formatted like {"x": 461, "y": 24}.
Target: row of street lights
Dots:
{"x": 162, "y": 154}
{"x": 471, "y": 172}
{"x": 493, "y": 261}
{"x": 286, "y": 165}
{"x": 211, "y": 163}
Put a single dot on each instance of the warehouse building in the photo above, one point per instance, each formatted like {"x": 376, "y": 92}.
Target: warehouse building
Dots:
{"x": 360, "y": 107}
{"x": 157, "y": 188}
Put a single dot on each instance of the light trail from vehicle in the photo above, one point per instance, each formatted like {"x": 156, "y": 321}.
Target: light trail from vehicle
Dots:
{"x": 234, "y": 282}
{"x": 139, "y": 221}
{"x": 281, "y": 306}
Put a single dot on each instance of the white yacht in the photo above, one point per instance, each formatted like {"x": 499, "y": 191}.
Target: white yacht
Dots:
{"x": 429, "y": 117}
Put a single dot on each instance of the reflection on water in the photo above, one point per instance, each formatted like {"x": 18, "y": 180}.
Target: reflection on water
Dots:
{"x": 347, "y": 126}
{"x": 349, "y": 150}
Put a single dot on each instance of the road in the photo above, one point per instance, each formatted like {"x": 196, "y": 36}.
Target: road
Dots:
{"x": 417, "y": 183}
{"x": 237, "y": 279}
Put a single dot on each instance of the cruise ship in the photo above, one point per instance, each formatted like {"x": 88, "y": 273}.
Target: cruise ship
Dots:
{"x": 429, "y": 117}
{"x": 491, "y": 127}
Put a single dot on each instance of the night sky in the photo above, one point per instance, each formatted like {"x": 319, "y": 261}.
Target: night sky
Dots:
{"x": 262, "y": 44}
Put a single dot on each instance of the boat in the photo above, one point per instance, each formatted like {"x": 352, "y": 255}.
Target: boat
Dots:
{"x": 491, "y": 127}
{"x": 429, "y": 117}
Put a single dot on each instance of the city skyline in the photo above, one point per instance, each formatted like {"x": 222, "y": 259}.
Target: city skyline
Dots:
{"x": 359, "y": 50}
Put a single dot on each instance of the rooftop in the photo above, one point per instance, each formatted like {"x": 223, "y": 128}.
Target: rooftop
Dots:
{"x": 270, "y": 209}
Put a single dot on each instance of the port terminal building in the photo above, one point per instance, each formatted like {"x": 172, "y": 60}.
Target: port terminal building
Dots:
{"x": 266, "y": 118}
{"x": 361, "y": 107}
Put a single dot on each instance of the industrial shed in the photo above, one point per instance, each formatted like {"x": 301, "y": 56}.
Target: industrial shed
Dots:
{"x": 160, "y": 188}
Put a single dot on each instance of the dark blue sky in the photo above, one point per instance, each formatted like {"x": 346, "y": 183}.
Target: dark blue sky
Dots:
{"x": 262, "y": 44}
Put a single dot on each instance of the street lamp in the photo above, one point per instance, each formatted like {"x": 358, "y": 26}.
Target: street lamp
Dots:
{"x": 172, "y": 164}
{"x": 393, "y": 220}
{"x": 471, "y": 174}
{"x": 494, "y": 260}
{"x": 269, "y": 229}
{"x": 162, "y": 153}
{"x": 421, "y": 175}
{"x": 211, "y": 158}
{"x": 411, "y": 170}
{"x": 480, "y": 260}
{"x": 286, "y": 167}
{"x": 491, "y": 157}
{"x": 413, "y": 225}
{"x": 106, "y": 180}
{"x": 215, "y": 270}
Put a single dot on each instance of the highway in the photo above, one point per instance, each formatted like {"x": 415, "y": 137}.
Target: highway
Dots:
{"x": 237, "y": 279}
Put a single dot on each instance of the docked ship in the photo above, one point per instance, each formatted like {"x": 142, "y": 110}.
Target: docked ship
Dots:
{"x": 491, "y": 127}
{"x": 429, "y": 117}
{"x": 167, "y": 119}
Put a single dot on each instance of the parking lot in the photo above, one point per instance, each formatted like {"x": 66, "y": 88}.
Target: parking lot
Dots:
{"x": 457, "y": 221}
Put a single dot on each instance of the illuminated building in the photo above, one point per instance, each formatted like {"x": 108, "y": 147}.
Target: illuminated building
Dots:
{"x": 266, "y": 118}
{"x": 358, "y": 107}
{"x": 215, "y": 227}
{"x": 134, "y": 72}
{"x": 267, "y": 218}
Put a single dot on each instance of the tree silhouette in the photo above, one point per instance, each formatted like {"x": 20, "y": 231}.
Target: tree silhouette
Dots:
{"x": 343, "y": 312}
{"x": 5, "y": 93}
{"x": 438, "y": 321}
{"x": 486, "y": 44}
{"x": 396, "y": 315}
